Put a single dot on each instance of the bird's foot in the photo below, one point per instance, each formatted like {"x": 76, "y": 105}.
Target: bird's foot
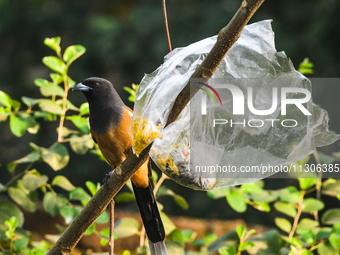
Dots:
{"x": 107, "y": 177}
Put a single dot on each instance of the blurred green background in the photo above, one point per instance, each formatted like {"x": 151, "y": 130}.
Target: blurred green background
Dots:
{"x": 125, "y": 39}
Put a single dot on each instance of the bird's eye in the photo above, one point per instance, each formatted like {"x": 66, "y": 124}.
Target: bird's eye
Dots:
{"x": 96, "y": 84}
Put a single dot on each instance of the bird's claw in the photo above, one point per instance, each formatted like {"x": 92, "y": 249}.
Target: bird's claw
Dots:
{"x": 106, "y": 178}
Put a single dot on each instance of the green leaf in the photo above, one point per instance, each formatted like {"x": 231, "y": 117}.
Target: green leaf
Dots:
{"x": 331, "y": 216}
{"x": 323, "y": 233}
{"x": 33, "y": 126}
{"x": 326, "y": 159}
{"x": 4, "y": 113}
{"x": 84, "y": 109}
{"x": 311, "y": 205}
{"x": 52, "y": 203}
{"x": 55, "y": 64}
{"x": 33, "y": 181}
{"x": 125, "y": 197}
{"x": 71, "y": 83}
{"x": 56, "y": 156}
{"x": 50, "y": 106}
{"x": 285, "y": 208}
{"x": 103, "y": 218}
{"x": 327, "y": 249}
{"x": 62, "y": 182}
{"x": 227, "y": 250}
{"x": 264, "y": 207}
{"x": 20, "y": 245}
{"x": 250, "y": 188}
{"x": 283, "y": 224}
{"x": 126, "y": 227}
{"x": 73, "y": 52}
{"x": 264, "y": 196}
{"x": 105, "y": 232}
{"x": 90, "y": 230}
{"x": 290, "y": 195}
{"x": 306, "y": 183}
{"x": 56, "y": 78}
{"x": 8, "y": 210}
{"x": 69, "y": 213}
{"x": 296, "y": 242}
{"x": 47, "y": 116}
{"x": 26, "y": 199}
{"x": 218, "y": 193}
{"x": 103, "y": 241}
{"x": 79, "y": 194}
{"x": 241, "y": 231}
{"x": 40, "y": 82}
{"x": 307, "y": 235}
{"x": 92, "y": 187}
{"x": 50, "y": 89}
{"x": 32, "y": 157}
{"x": 168, "y": 225}
{"x": 81, "y": 144}
{"x": 308, "y": 223}
{"x": 237, "y": 201}
{"x": 334, "y": 240}
{"x": 245, "y": 246}
{"x": 53, "y": 43}
{"x": 331, "y": 188}
{"x": 18, "y": 125}
{"x": 5, "y": 99}
{"x": 176, "y": 236}
{"x": 80, "y": 122}
{"x": 181, "y": 202}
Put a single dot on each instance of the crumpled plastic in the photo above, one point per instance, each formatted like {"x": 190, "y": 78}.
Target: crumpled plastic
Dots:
{"x": 192, "y": 141}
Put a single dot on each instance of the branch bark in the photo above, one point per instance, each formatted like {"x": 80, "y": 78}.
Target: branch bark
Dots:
{"x": 226, "y": 38}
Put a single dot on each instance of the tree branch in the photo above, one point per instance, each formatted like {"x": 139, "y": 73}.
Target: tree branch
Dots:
{"x": 226, "y": 38}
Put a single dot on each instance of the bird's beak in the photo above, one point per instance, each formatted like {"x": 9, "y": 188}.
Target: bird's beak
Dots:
{"x": 81, "y": 87}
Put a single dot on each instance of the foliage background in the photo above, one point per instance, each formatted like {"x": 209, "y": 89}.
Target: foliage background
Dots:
{"x": 125, "y": 39}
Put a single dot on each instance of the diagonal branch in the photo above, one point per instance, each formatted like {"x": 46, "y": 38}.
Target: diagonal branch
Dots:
{"x": 226, "y": 38}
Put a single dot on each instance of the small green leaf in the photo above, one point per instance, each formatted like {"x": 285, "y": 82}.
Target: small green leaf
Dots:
{"x": 334, "y": 240}
{"x": 285, "y": 208}
{"x": 71, "y": 83}
{"x": 53, "y": 43}
{"x": 80, "y": 122}
{"x": 20, "y": 245}
{"x": 331, "y": 188}
{"x": 103, "y": 218}
{"x": 90, "y": 230}
{"x": 227, "y": 250}
{"x": 168, "y": 224}
{"x": 18, "y": 125}
{"x": 56, "y": 156}
{"x": 79, "y": 194}
{"x": 290, "y": 195}
{"x": 8, "y": 210}
{"x": 103, "y": 241}
{"x": 283, "y": 224}
{"x": 296, "y": 242}
{"x": 105, "y": 232}
{"x": 55, "y": 64}
{"x": 30, "y": 102}
{"x": 73, "y": 52}
{"x": 327, "y": 249}
{"x": 50, "y": 89}
{"x": 50, "y": 106}
{"x": 125, "y": 197}
{"x": 56, "y": 78}
{"x": 40, "y": 82}
{"x": 250, "y": 188}
{"x": 241, "y": 231}
{"x": 4, "y": 113}
{"x": 308, "y": 223}
{"x": 237, "y": 201}
{"x": 23, "y": 197}
{"x": 33, "y": 181}
{"x": 84, "y": 109}
{"x": 176, "y": 236}
{"x": 311, "y": 205}
{"x": 92, "y": 187}
{"x": 323, "y": 233}
{"x": 180, "y": 201}
{"x": 126, "y": 227}
{"x": 331, "y": 216}
{"x": 52, "y": 203}
{"x": 68, "y": 213}
{"x": 307, "y": 235}
{"x": 264, "y": 207}
{"x": 81, "y": 144}
{"x": 246, "y": 245}
{"x": 264, "y": 196}
{"x": 218, "y": 193}
{"x": 63, "y": 183}
{"x": 306, "y": 183}
{"x": 5, "y": 99}
{"x": 32, "y": 157}
{"x": 47, "y": 116}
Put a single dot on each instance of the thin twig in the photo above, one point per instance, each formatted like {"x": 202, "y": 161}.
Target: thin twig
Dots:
{"x": 112, "y": 227}
{"x": 318, "y": 183}
{"x": 298, "y": 214}
{"x": 166, "y": 25}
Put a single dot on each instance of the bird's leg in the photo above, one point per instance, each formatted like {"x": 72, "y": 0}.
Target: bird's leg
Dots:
{"x": 107, "y": 177}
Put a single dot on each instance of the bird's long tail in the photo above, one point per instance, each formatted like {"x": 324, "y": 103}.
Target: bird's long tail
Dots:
{"x": 151, "y": 219}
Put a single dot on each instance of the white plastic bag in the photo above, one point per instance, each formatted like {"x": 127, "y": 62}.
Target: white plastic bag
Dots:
{"x": 192, "y": 140}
